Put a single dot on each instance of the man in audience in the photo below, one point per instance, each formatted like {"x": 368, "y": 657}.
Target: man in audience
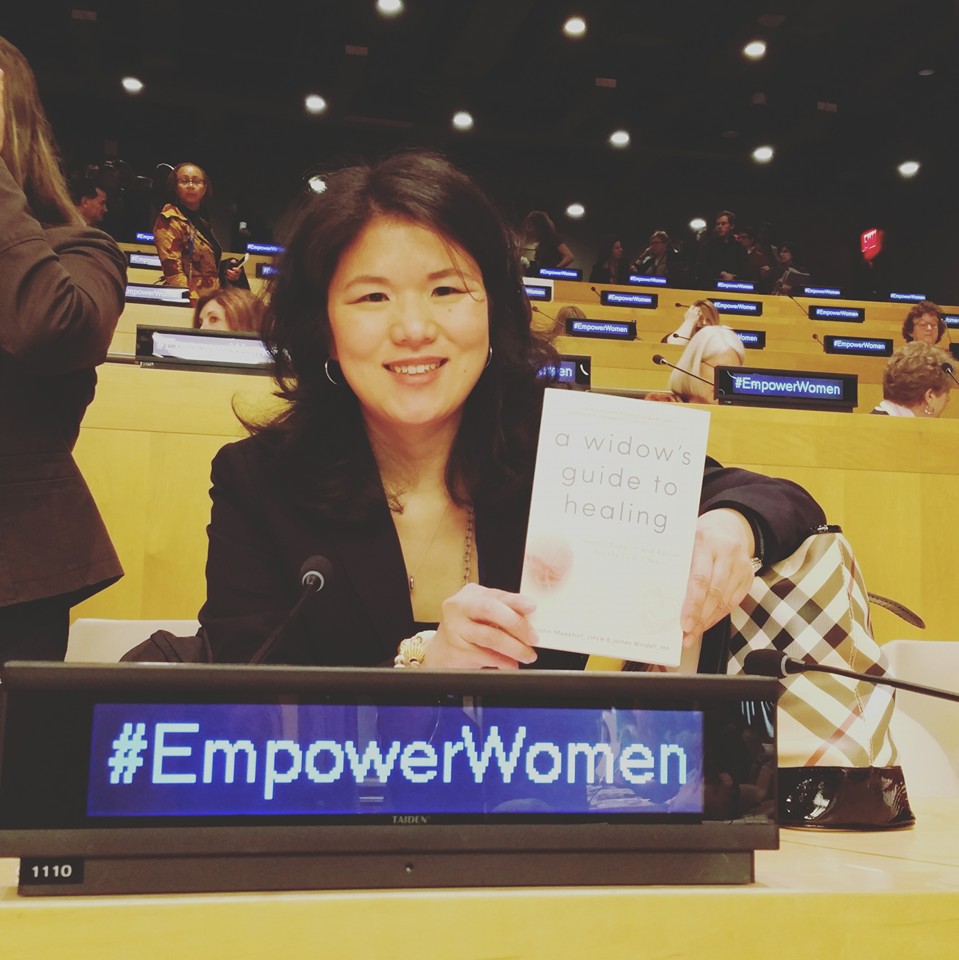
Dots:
{"x": 90, "y": 200}
{"x": 721, "y": 257}
{"x": 757, "y": 267}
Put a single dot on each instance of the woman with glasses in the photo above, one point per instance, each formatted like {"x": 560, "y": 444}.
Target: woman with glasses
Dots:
{"x": 61, "y": 293}
{"x": 189, "y": 251}
{"x": 924, "y": 322}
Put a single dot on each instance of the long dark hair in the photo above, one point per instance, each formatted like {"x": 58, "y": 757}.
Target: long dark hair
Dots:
{"x": 495, "y": 445}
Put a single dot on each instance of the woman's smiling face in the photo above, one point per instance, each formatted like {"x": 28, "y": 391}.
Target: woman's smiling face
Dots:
{"x": 410, "y": 324}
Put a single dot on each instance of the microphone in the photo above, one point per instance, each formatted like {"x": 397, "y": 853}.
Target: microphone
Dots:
{"x": 775, "y": 663}
{"x": 536, "y": 309}
{"x": 598, "y": 294}
{"x": 678, "y": 304}
{"x": 314, "y": 574}
{"x": 662, "y": 361}
{"x": 815, "y": 337}
{"x": 948, "y": 370}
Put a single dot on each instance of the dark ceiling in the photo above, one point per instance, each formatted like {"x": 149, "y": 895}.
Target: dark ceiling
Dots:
{"x": 843, "y": 101}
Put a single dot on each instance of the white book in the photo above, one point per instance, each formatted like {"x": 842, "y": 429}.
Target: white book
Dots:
{"x": 612, "y": 524}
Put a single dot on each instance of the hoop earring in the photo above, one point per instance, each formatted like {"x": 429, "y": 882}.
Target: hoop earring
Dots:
{"x": 489, "y": 357}
{"x": 927, "y": 410}
{"x": 326, "y": 370}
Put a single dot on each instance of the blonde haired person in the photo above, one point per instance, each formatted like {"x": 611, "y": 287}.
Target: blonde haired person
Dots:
{"x": 709, "y": 348}
{"x": 61, "y": 293}
{"x": 702, "y": 313}
{"x": 915, "y": 382}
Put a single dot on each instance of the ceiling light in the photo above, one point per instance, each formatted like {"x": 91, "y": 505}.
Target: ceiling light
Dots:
{"x": 755, "y": 49}
{"x": 927, "y": 72}
{"x": 316, "y": 183}
{"x": 763, "y": 154}
{"x": 619, "y": 138}
{"x": 576, "y": 211}
{"x": 132, "y": 85}
{"x": 389, "y": 8}
{"x": 908, "y": 169}
{"x": 697, "y": 224}
{"x": 574, "y": 27}
{"x": 463, "y": 120}
{"x": 314, "y": 103}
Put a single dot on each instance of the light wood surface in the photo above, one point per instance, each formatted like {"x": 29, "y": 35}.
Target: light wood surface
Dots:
{"x": 822, "y": 894}
{"x": 149, "y": 437}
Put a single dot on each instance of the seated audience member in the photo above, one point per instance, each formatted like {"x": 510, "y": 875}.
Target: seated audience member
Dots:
{"x": 661, "y": 259}
{"x": 402, "y": 340}
{"x": 711, "y": 347}
{"x": 702, "y": 313}
{"x": 791, "y": 274}
{"x": 552, "y": 327}
{"x": 721, "y": 257}
{"x": 758, "y": 268}
{"x": 551, "y": 251}
{"x": 89, "y": 199}
{"x": 610, "y": 267}
{"x": 229, "y": 309}
{"x": 61, "y": 293}
{"x": 925, "y": 322}
{"x": 190, "y": 254}
{"x": 914, "y": 383}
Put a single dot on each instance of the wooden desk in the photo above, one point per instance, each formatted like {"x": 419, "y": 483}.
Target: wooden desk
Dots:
{"x": 842, "y": 895}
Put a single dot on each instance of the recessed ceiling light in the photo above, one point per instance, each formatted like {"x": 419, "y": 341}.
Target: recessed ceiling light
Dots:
{"x": 316, "y": 183}
{"x": 763, "y": 154}
{"x": 697, "y": 224}
{"x": 619, "y": 138}
{"x": 909, "y": 168}
{"x": 576, "y": 211}
{"x": 389, "y": 8}
{"x": 574, "y": 27}
{"x": 463, "y": 120}
{"x": 314, "y": 103}
{"x": 132, "y": 85}
{"x": 927, "y": 72}
{"x": 755, "y": 49}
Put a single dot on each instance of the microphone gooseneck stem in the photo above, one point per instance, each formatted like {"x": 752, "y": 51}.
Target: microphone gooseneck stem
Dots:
{"x": 887, "y": 680}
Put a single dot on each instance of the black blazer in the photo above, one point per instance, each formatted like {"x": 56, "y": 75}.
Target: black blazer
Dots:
{"x": 261, "y": 532}
{"x": 61, "y": 293}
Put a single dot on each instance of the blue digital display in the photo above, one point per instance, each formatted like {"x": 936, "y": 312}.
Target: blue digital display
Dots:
{"x": 264, "y": 760}
{"x": 645, "y": 301}
{"x": 561, "y": 273}
{"x": 537, "y": 292}
{"x": 736, "y": 286}
{"x": 604, "y": 329}
{"x": 266, "y": 270}
{"x": 859, "y": 346}
{"x": 144, "y": 237}
{"x": 910, "y": 297}
{"x": 649, "y": 281}
{"x": 150, "y": 293}
{"x": 569, "y": 370}
{"x": 845, "y": 314}
{"x": 149, "y": 261}
{"x": 265, "y": 248}
{"x": 753, "y": 307}
{"x": 799, "y": 387}
{"x": 820, "y": 292}
{"x": 951, "y": 319}
{"x": 752, "y": 339}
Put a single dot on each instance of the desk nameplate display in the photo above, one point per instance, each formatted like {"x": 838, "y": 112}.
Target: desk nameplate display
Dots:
{"x": 794, "y": 389}
{"x": 139, "y": 779}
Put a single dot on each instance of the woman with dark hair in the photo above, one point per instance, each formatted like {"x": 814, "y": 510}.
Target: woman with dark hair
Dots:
{"x": 189, "y": 251}
{"x": 551, "y": 251}
{"x": 791, "y": 272}
{"x": 401, "y": 333}
{"x": 915, "y": 382}
{"x": 229, "y": 309}
{"x": 924, "y": 322}
{"x": 61, "y": 293}
{"x": 610, "y": 267}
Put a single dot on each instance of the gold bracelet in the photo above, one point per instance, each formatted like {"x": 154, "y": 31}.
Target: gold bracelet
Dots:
{"x": 757, "y": 564}
{"x": 411, "y": 652}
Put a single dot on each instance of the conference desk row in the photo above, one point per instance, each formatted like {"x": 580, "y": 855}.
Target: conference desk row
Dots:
{"x": 822, "y": 894}
{"x": 149, "y": 437}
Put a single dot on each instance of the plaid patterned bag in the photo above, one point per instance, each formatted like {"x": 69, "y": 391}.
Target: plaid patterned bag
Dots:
{"x": 836, "y": 755}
